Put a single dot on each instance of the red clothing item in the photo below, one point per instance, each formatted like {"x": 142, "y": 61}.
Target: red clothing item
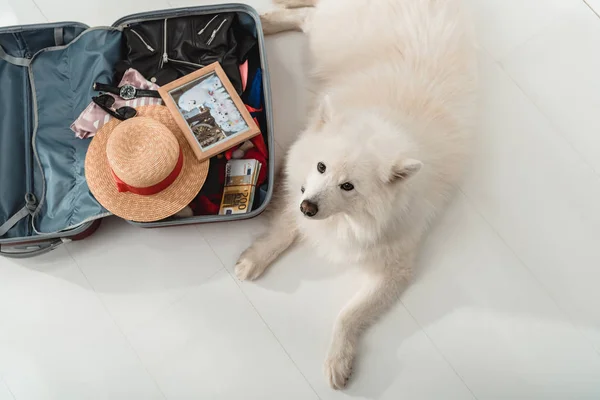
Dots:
{"x": 210, "y": 203}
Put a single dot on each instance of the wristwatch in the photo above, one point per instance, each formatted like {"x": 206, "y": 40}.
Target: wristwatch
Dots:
{"x": 126, "y": 92}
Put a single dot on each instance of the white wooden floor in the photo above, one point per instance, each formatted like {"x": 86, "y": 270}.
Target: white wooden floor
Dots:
{"x": 506, "y": 304}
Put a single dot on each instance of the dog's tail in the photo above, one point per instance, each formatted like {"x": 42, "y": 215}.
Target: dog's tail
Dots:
{"x": 296, "y": 3}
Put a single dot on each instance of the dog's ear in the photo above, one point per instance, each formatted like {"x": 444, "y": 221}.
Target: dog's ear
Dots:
{"x": 404, "y": 170}
{"x": 322, "y": 114}
{"x": 325, "y": 109}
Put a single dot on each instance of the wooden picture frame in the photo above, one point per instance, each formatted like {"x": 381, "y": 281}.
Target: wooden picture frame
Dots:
{"x": 208, "y": 110}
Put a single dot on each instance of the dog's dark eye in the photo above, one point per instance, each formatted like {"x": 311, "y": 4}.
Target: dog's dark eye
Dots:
{"x": 302, "y": 189}
{"x": 321, "y": 167}
{"x": 347, "y": 186}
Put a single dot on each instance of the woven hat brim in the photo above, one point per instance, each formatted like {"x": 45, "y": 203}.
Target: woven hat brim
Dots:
{"x": 134, "y": 207}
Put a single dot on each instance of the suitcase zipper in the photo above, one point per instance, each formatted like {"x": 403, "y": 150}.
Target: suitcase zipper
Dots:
{"x": 143, "y": 41}
{"x": 165, "y": 56}
{"x": 29, "y": 147}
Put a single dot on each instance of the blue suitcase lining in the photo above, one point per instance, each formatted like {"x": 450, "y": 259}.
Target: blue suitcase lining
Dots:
{"x": 61, "y": 78}
{"x": 62, "y": 82}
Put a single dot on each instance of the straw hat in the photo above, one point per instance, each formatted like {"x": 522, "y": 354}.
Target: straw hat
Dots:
{"x": 143, "y": 169}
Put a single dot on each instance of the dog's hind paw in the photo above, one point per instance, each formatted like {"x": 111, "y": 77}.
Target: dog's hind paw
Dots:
{"x": 338, "y": 370}
{"x": 246, "y": 269}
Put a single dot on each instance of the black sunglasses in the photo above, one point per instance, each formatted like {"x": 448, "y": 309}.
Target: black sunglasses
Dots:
{"x": 106, "y": 102}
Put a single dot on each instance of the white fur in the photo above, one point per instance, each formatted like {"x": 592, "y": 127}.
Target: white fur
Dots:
{"x": 396, "y": 81}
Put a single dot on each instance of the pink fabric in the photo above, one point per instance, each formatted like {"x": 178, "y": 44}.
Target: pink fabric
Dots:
{"x": 94, "y": 117}
{"x": 244, "y": 74}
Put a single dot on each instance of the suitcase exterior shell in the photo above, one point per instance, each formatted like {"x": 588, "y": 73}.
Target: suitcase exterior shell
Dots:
{"x": 32, "y": 245}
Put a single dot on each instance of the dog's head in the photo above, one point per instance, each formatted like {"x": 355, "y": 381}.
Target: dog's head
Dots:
{"x": 350, "y": 164}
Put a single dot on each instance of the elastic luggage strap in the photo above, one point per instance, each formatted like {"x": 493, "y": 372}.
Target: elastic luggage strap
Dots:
{"x": 59, "y": 36}
{"x": 59, "y": 40}
{"x": 30, "y": 206}
{"x": 20, "y": 61}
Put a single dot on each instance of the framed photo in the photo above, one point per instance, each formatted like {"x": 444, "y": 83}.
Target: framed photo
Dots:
{"x": 209, "y": 111}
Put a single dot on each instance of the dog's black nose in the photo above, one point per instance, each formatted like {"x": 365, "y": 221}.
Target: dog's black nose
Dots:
{"x": 309, "y": 209}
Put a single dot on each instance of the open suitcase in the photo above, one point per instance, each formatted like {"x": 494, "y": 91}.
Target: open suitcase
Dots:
{"x": 46, "y": 77}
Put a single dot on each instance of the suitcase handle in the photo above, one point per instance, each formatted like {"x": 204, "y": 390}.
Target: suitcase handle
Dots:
{"x": 29, "y": 250}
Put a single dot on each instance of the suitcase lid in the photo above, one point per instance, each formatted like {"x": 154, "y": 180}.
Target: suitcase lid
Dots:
{"x": 187, "y": 11}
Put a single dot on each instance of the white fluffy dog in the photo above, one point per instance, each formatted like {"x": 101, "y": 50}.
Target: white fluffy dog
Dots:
{"x": 384, "y": 147}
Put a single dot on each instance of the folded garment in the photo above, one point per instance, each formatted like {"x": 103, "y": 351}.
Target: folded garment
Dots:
{"x": 94, "y": 117}
{"x": 208, "y": 200}
{"x": 254, "y": 93}
{"x": 167, "y": 49}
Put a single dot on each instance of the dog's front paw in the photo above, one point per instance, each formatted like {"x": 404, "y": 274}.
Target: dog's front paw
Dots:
{"x": 338, "y": 369}
{"x": 247, "y": 269}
